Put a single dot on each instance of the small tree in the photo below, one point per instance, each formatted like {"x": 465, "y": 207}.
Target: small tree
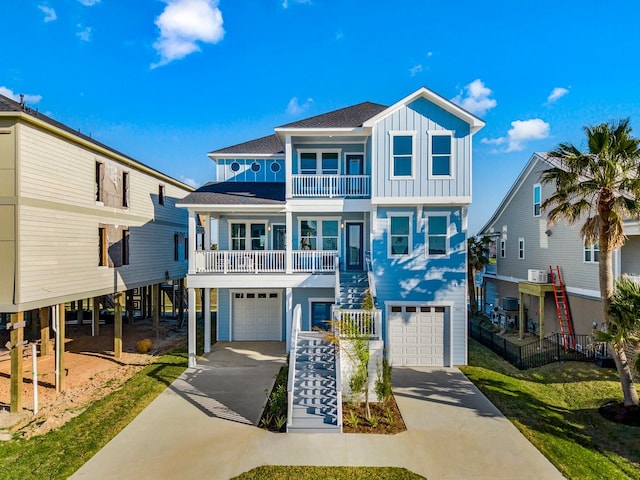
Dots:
{"x": 477, "y": 259}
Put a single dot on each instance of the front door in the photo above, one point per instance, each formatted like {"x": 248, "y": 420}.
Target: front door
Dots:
{"x": 353, "y": 241}
{"x": 320, "y": 315}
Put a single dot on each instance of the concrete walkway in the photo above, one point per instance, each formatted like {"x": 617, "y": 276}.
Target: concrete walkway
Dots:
{"x": 200, "y": 427}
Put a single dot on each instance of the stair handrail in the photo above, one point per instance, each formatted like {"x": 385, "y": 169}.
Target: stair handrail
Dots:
{"x": 295, "y": 328}
{"x": 337, "y": 286}
{"x": 370, "y": 275}
{"x": 338, "y": 385}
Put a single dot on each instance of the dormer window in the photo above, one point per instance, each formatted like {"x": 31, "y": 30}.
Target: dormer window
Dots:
{"x": 402, "y": 154}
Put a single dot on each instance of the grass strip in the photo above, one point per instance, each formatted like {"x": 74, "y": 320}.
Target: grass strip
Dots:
{"x": 556, "y": 408}
{"x": 273, "y": 472}
{"x": 61, "y": 452}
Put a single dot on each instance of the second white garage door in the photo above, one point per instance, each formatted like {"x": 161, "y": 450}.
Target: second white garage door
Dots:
{"x": 416, "y": 335}
{"x": 256, "y": 315}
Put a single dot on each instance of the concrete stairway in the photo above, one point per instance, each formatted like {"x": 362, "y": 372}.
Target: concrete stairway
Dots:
{"x": 353, "y": 286}
{"x": 315, "y": 396}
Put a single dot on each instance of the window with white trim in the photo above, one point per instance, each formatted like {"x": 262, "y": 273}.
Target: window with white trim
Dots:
{"x": 537, "y": 199}
{"x": 440, "y": 153}
{"x": 399, "y": 235}
{"x": 437, "y": 238}
{"x": 402, "y": 154}
{"x": 521, "y": 248}
{"x": 314, "y": 162}
{"x": 248, "y": 235}
{"x": 319, "y": 234}
{"x": 591, "y": 252}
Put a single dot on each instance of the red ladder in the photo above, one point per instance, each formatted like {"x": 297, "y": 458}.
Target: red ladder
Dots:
{"x": 562, "y": 307}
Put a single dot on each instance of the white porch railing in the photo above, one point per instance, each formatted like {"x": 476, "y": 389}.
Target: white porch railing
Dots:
{"x": 314, "y": 261}
{"x": 357, "y": 186}
{"x": 296, "y": 326}
{"x": 264, "y": 261}
{"x": 352, "y": 323}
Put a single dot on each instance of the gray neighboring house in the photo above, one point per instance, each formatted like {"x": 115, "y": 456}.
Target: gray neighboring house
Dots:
{"x": 524, "y": 246}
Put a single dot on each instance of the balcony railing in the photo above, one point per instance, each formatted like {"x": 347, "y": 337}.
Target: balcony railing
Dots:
{"x": 264, "y": 261}
{"x": 357, "y": 323}
{"x": 354, "y": 186}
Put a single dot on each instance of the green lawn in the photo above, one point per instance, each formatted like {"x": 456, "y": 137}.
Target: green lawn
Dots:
{"x": 328, "y": 473}
{"x": 61, "y": 452}
{"x": 556, "y": 408}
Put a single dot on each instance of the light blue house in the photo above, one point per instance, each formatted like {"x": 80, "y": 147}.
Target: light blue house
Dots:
{"x": 369, "y": 196}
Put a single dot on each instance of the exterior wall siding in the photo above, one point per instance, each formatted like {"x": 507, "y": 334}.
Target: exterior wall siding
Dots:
{"x": 562, "y": 247}
{"x": 421, "y": 116}
{"x": 416, "y": 278}
{"x": 225, "y": 172}
{"x": 58, "y": 218}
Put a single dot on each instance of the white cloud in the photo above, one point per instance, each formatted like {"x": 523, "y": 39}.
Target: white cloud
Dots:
{"x": 521, "y": 131}
{"x": 49, "y": 13}
{"x": 84, "y": 33}
{"x": 556, "y": 94}
{"x": 285, "y": 3}
{"x": 413, "y": 71}
{"x": 189, "y": 181}
{"x": 295, "y": 108}
{"x": 182, "y": 24}
{"x": 429, "y": 54}
{"x": 7, "y": 92}
{"x": 89, "y": 3}
{"x": 476, "y": 99}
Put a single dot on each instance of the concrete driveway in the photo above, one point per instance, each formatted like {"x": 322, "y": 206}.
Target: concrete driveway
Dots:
{"x": 201, "y": 427}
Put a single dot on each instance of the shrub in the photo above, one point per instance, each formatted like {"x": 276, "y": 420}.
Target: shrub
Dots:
{"x": 144, "y": 346}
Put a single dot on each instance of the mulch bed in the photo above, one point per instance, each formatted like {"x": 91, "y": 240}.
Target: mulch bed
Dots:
{"x": 617, "y": 412}
{"x": 385, "y": 418}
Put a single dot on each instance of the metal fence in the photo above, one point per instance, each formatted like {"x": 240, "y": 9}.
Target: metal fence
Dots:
{"x": 537, "y": 353}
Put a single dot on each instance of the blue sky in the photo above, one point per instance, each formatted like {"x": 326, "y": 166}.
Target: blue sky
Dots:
{"x": 168, "y": 81}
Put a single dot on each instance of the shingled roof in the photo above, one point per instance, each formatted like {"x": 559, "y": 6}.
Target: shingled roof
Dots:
{"x": 268, "y": 145}
{"x": 349, "y": 117}
{"x": 237, "y": 193}
{"x": 9, "y": 105}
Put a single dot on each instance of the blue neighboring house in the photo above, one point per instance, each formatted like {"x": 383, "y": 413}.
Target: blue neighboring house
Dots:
{"x": 366, "y": 197}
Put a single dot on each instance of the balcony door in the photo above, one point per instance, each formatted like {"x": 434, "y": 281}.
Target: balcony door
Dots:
{"x": 353, "y": 241}
{"x": 355, "y": 164}
{"x": 279, "y": 237}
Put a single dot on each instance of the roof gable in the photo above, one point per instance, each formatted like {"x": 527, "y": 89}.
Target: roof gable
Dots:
{"x": 474, "y": 122}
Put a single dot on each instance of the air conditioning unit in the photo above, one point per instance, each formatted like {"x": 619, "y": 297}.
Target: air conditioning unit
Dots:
{"x": 538, "y": 276}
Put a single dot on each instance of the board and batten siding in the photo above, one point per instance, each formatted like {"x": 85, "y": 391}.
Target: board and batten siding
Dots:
{"x": 416, "y": 278}
{"x": 559, "y": 244}
{"x": 421, "y": 116}
{"x": 58, "y": 220}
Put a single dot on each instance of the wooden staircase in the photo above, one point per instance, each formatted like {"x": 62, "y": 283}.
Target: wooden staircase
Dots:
{"x": 315, "y": 400}
{"x": 562, "y": 308}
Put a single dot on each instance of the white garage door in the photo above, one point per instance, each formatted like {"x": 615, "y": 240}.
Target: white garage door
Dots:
{"x": 416, "y": 335}
{"x": 256, "y": 315}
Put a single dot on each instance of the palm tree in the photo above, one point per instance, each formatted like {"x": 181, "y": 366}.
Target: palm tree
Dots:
{"x": 477, "y": 259}
{"x": 601, "y": 186}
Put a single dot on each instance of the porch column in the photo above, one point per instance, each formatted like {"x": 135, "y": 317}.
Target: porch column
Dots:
{"x": 207, "y": 232}
{"x": 117, "y": 325}
{"x": 17, "y": 348}
{"x": 288, "y": 305}
{"x": 289, "y": 242}
{"x": 192, "y": 327}
{"x": 206, "y": 316}
{"x": 95, "y": 317}
{"x": 155, "y": 308}
{"x": 288, "y": 162}
{"x": 192, "y": 241}
{"x": 44, "y": 331}
{"x": 60, "y": 370}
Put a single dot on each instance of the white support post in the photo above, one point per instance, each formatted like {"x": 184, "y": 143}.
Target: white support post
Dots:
{"x": 192, "y": 327}
{"x": 289, "y": 242}
{"x": 192, "y": 242}
{"x": 288, "y": 305}
{"x": 206, "y": 316}
{"x": 207, "y": 232}
{"x": 288, "y": 166}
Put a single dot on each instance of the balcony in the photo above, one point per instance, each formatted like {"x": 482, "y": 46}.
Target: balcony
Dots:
{"x": 329, "y": 186}
{"x": 265, "y": 261}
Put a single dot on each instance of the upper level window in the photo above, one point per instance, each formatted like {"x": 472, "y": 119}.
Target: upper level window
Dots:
{"x": 537, "y": 199}
{"x": 255, "y": 167}
{"x": 99, "y": 177}
{"x": 402, "y": 150}
{"x": 125, "y": 247}
{"x": 503, "y": 248}
{"x": 235, "y": 167}
{"x": 592, "y": 252}
{"x": 399, "y": 235}
{"x": 440, "y": 153}
{"x": 125, "y": 189}
{"x": 319, "y": 234}
{"x": 275, "y": 167}
{"x": 437, "y": 238}
{"x": 161, "y": 194}
{"x": 521, "y": 248}
{"x": 248, "y": 236}
{"x": 319, "y": 162}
